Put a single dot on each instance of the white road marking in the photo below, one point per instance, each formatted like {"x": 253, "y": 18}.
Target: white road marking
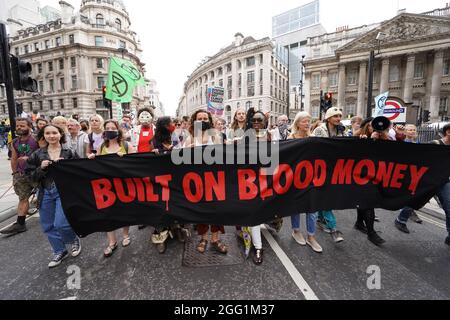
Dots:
{"x": 432, "y": 221}
{"x": 290, "y": 267}
{"x": 69, "y": 299}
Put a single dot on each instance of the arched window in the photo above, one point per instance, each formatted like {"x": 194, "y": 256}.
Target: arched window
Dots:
{"x": 248, "y": 105}
{"x": 118, "y": 25}
{"x": 100, "y": 21}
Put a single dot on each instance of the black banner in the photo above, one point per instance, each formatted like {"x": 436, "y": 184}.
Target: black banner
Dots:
{"x": 313, "y": 174}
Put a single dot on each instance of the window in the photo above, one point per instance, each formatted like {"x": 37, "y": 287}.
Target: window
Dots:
{"x": 98, "y": 41}
{"x": 75, "y": 103}
{"x": 36, "y": 46}
{"x": 122, "y": 44}
{"x": 74, "y": 83}
{"x": 26, "y": 49}
{"x": 41, "y": 86}
{"x": 261, "y": 89}
{"x": 100, "y": 21}
{"x": 61, "y": 103}
{"x": 61, "y": 64}
{"x": 350, "y": 109}
{"x": 58, "y": 41}
{"x": 41, "y": 105}
{"x": 443, "y": 107}
{"x": 50, "y": 66}
{"x": 62, "y": 84}
{"x": 73, "y": 62}
{"x": 261, "y": 59}
{"x": 30, "y": 106}
{"x": 239, "y": 79}
{"x": 394, "y": 73}
{"x": 418, "y": 71}
{"x": 230, "y": 94}
{"x": 316, "y": 81}
{"x": 352, "y": 77}
{"x": 251, "y": 91}
{"x": 71, "y": 39}
{"x": 248, "y": 105}
{"x": 220, "y": 71}
{"x": 446, "y": 71}
{"x": 251, "y": 77}
{"x": 230, "y": 82}
{"x": 333, "y": 79}
{"x": 315, "y": 111}
{"x": 333, "y": 48}
{"x": 51, "y": 83}
{"x": 39, "y": 67}
{"x": 228, "y": 67}
{"x": 47, "y": 44}
{"x": 99, "y": 63}
{"x": 118, "y": 25}
{"x": 50, "y": 103}
{"x": 17, "y": 52}
{"x": 239, "y": 64}
{"x": 250, "y": 61}
{"x": 221, "y": 83}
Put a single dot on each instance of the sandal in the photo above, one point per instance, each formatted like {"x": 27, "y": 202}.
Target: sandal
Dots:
{"x": 219, "y": 247}
{"x": 126, "y": 242}
{"x": 202, "y": 246}
{"x": 110, "y": 250}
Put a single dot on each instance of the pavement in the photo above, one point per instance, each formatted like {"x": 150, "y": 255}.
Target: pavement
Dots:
{"x": 8, "y": 199}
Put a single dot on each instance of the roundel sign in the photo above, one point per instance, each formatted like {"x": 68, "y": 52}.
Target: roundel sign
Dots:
{"x": 395, "y": 111}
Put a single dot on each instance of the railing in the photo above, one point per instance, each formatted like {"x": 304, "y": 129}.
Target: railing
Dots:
{"x": 428, "y": 134}
{"x": 444, "y": 12}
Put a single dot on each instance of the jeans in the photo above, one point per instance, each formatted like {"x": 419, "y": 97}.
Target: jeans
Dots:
{"x": 329, "y": 218}
{"x": 54, "y": 223}
{"x": 311, "y": 219}
{"x": 405, "y": 214}
{"x": 444, "y": 198}
{"x": 256, "y": 237}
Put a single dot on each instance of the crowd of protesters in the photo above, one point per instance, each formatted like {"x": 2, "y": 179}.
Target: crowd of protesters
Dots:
{"x": 42, "y": 142}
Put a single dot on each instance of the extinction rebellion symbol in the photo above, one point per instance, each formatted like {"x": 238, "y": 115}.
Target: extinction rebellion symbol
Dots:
{"x": 119, "y": 85}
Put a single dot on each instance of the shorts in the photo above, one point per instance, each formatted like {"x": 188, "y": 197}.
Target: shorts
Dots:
{"x": 23, "y": 186}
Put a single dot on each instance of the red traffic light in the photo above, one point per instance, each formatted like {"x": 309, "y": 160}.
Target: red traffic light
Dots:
{"x": 329, "y": 96}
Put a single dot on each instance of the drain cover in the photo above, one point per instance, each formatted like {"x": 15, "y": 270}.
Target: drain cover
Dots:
{"x": 194, "y": 259}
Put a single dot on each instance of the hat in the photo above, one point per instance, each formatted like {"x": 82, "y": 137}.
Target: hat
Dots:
{"x": 381, "y": 124}
{"x": 366, "y": 121}
{"x": 332, "y": 112}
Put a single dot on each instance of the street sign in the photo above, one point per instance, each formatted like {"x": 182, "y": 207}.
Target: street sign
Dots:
{"x": 215, "y": 100}
{"x": 395, "y": 111}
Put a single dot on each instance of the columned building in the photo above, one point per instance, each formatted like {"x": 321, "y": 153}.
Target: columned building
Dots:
{"x": 70, "y": 59}
{"x": 412, "y": 63}
{"x": 251, "y": 74}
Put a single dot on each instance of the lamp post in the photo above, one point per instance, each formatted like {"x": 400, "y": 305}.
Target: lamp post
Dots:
{"x": 301, "y": 82}
{"x": 380, "y": 37}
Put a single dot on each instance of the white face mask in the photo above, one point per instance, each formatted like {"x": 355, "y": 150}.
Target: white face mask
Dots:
{"x": 145, "y": 118}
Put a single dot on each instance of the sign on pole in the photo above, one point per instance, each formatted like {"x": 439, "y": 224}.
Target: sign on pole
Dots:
{"x": 395, "y": 111}
{"x": 215, "y": 100}
{"x": 380, "y": 104}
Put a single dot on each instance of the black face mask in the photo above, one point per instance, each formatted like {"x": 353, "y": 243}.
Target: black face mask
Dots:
{"x": 205, "y": 125}
{"x": 23, "y": 132}
{"x": 111, "y": 135}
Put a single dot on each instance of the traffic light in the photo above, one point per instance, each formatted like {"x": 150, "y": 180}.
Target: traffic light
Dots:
{"x": 328, "y": 100}
{"x": 21, "y": 71}
{"x": 426, "y": 116}
{"x": 106, "y": 102}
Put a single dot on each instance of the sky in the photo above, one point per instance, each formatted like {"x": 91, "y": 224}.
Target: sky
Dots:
{"x": 177, "y": 34}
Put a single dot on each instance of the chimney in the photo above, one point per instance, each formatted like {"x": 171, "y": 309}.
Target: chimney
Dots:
{"x": 66, "y": 12}
{"x": 238, "y": 39}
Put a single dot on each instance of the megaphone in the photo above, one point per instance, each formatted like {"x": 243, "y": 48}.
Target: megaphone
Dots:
{"x": 381, "y": 124}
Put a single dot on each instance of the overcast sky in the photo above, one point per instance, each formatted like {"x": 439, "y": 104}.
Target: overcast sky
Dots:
{"x": 177, "y": 34}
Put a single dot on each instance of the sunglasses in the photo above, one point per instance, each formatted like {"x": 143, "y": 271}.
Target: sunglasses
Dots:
{"x": 257, "y": 120}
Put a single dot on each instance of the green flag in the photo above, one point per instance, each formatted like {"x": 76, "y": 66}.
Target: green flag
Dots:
{"x": 123, "y": 77}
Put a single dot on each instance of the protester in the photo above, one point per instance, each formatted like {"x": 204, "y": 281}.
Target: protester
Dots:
{"x": 126, "y": 126}
{"x": 220, "y": 127}
{"x": 144, "y": 132}
{"x": 281, "y": 133}
{"x": 238, "y": 127}
{"x": 21, "y": 149}
{"x": 61, "y": 122}
{"x": 331, "y": 128}
{"x": 301, "y": 130}
{"x": 95, "y": 138}
{"x": 411, "y": 133}
{"x": 84, "y": 126}
{"x": 40, "y": 124}
{"x": 200, "y": 135}
{"x": 162, "y": 143}
{"x": 53, "y": 220}
{"x": 76, "y": 138}
{"x": 114, "y": 144}
{"x": 356, "y": 127}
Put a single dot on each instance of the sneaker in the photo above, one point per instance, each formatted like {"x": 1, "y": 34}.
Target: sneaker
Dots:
{"x": 76, "y": 248}
{"x": 361, "y": 227}
{"x": 376, "y": 239}
{"x": 14, "y": 229}
{"x": 414, "y": 217}
{"x": 447, "y": 241}
{"x": 402, "y": 227}
{"x": 323, "y": 226}
{"x": 258, "y": 257}
{"x": 298, "y": 237}
{"x": 57, "y": 259}
{"x": 337, "y": 236}
{"x": 314, "y": 245}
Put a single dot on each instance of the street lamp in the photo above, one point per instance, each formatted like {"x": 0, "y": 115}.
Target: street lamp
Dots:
{"x": 301, "y": 82}
{"x": 380, "y": 37}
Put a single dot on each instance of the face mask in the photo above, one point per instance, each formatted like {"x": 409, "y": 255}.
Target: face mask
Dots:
{"x": 111, "y": 135}
{"x": 145, "y": 118}
{"x": 23, "y": 132}
{"x": 171, "y": 128}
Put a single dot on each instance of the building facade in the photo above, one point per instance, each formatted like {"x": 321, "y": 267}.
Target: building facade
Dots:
{"x": 70, "y": 59}
{"x": 251, "y": 75}
{"x": 412, "y": 63}
{"x": 291, "y": 31}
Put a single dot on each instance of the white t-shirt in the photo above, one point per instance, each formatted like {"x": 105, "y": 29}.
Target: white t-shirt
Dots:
{"x": 98, "y": 140}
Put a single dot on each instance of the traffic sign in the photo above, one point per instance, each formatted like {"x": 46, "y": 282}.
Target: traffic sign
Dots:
{"x": 395, "y": 111}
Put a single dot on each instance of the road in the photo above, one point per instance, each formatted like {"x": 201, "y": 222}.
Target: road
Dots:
{"x": 411, "y": 266}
